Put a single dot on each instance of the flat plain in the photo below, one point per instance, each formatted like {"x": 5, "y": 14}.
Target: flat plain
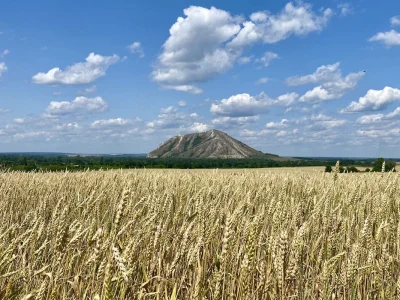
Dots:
{"x": 200, "y": 234}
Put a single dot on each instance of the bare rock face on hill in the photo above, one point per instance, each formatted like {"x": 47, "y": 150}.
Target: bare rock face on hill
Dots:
{"x": 209, "y": 144}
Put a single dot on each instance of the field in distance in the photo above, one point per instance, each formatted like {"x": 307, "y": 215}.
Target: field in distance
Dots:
{"x": 194, "y": 234}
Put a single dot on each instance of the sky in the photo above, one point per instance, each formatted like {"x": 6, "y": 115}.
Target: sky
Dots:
{"x": 300, "y": 78}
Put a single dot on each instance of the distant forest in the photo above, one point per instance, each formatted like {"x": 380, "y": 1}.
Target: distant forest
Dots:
{"x": 31, "y": 162}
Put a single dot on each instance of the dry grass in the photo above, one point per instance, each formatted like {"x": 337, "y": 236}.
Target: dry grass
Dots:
{"x": 199, "y": 235}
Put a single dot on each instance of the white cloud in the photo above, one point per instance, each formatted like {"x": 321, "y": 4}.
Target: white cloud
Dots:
{"x": 379, "y": 133}
{"x": 80, "y": 104}
{"x": 285, "y": 100}
{"x": 4, "y": 111}
{"x": 3, "y": 68}
{"x": 240, "y": 105}
{"x": 44, "y": 120}
{"x": 34, "y": 135}
{"x": 389, "y": 38}
{"x": 262, "y": 80}
{"x": 234, "y": 121}
{"x": 330, "y": 123}
{"x": 277, "y": 125}
{"x": 118, "y": 122}
{"x": 322, "y": 74}
{"x": 198, "y": 127}
{"x": 194, "y": 50}
{"x": 394, "y": 114}
{"x": 395, "y": 21}
{"x": 182, "y": 103}
{"x": 374, "y": 100}
{"x": 91, "y": 89}
{"x": 244, "y": 105}
{"x": 67, "y": 127}
{"x": 267, "y": 58}
{"x": 136, "y": 47}
{"x": 345, "y": 9}
{"x": 168, "y": 110}
{"x": 245, "y": 59}
{"x": 320, "y": 117}
{"x": 207, "y": 42}
{"x": 379, "y": 118}
{"x": 4, "y": 53}
{"x": 247, "y": 133}
{"x": 333, "y": 85}
{"x": 295, "y": 19}
{"x": 80, "y": 73}
{"x": 170, "y": 118}
{"x": 333, "y": 89}
{"x": 369, "y": 119}
{"x": 184, "y": 88}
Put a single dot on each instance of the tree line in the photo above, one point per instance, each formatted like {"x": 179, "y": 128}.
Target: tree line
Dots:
{"x": 377, "y": 166}
{"x": 23, "y": 162}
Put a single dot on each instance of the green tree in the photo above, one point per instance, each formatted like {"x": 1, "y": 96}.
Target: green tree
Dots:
{"x": 389, "y": 165}
{"x": 352, "y": 169}
{"x": 328, "y": 169}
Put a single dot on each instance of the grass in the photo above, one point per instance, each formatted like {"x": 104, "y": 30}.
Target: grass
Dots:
{"x": 184, "y": 234}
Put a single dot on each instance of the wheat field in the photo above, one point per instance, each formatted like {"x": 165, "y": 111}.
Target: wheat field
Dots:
{"x": 170, "y": 234}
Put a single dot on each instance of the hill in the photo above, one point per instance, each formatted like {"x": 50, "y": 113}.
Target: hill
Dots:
{"x": 209, "y": 144}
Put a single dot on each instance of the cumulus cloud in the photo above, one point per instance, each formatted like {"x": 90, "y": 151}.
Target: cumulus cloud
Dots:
{"x": 245, "y": 59}
{"x": 240, "y": 105}
{"x": 197, "y": 127}
{"x": 89, "y": 90}
{"x": 322, "y": 122}
{"x": 234, "y": 121}
{"x": 3, "y": 68}
{"x": 34, "y": 135}
{"x": 244, "y": 105}
{"x": 345, "y": 9}
{"x": 168, "y": 110}
{"x": 389, "y": 38}
{"x": 4, "y": 111}
{"x": 295, "y": 19}
{"x": 170, "y": 118}
{"x": 285, "y": 100}
{"x": 378, "y": 118}
{"x": 369, "y": 119}
{"x": 107, "y": 123}
{"x": 67, "y": 127}
{"x": 394, "y": 114}
{"x": 184, "y": 88}
{"x": 333, "y": 84}
{"x": 262, "y": 80}
{"x": 4, "y": 53}
{"x": 182, "y": 103}
{"x": 194, "y": 50}
{"x": 395, "y": 21}
{"x": 322, "y": 74}
{"x": 379, "y": 133}
{"x": 267, "y": 58}
{"x": 136, "y": 47}
{"x": 374, "y": 100}
{"x": 277, "y": 125}
{"x": 80, "y": 104}
{"x": 207, "y": 42}
{"x": 80, "y": 73}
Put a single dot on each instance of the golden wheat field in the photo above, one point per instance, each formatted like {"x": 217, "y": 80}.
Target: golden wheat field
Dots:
{"x": 170, "y": 234}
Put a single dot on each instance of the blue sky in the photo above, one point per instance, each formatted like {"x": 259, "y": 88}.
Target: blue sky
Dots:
{"x": 292, "y": 78}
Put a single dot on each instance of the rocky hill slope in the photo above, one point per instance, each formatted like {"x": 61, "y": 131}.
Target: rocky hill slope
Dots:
{"x": 209, "y": 144}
